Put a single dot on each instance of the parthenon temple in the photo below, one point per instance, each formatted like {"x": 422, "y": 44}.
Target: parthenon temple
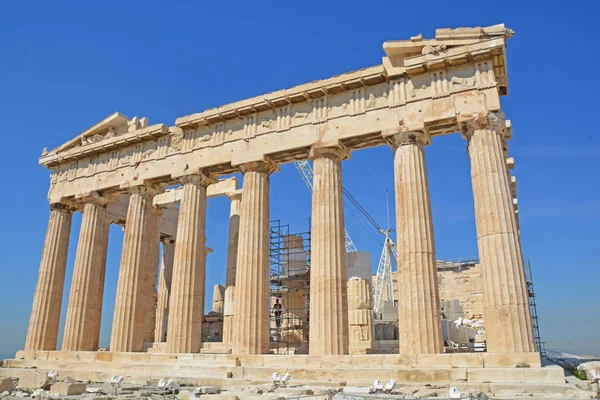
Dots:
{"x": 154, "y": 180}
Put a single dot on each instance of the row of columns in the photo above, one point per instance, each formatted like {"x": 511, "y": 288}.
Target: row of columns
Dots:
{"x": 180, "y": 309}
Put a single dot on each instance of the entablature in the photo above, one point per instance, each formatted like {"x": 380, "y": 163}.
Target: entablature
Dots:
{"x": 353, "y": 108}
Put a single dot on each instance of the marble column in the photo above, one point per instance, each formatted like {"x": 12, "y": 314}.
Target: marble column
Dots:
{"x": 45, "y": 313}
{"x": 251, "y": 312}
{"x": 164, "y": 289}
{"x": 84, "y": 312}
{"x": 130, "y": 311}
{"x": 186, "y": 303}
{"x": 232, "y": 250}
{"x": 152, "y": 277}
{"x": 328, "y": 291}
{"x": 419, "y": 319}
{"x": 505, "y": 295}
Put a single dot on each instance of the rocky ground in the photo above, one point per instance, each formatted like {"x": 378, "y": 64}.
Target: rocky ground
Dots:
{"x": 581, "y": 373}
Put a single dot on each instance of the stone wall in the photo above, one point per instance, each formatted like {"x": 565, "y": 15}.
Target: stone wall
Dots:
{"x": 463, "y": 284}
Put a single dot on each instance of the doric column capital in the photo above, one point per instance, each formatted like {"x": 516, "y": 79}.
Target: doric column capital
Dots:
{"x": 493, "y": 121}
{"x": 235, "y": 195}
{"x": 395, "y": 140}
{"x": 195, "y": 176}
{"x": 96, "y": 198}
{"x": 63, "y": 207}
{"x": 144, "y": 188}
{"x": 333, "y": 149}
{"x": 266, "y": 165}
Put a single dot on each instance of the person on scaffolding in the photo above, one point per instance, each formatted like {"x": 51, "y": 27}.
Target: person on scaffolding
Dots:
{"x": 277, "y": 313}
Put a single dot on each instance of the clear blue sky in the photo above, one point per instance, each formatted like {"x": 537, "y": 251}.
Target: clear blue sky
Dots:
{"x": 66, "y": 65}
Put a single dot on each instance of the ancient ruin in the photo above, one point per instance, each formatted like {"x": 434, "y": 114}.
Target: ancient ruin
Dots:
{"x": 154, "y": 180}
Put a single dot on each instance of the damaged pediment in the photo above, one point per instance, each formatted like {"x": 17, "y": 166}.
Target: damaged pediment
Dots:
{"x": 115, "y": 131}
{"x": 114, "y": 125}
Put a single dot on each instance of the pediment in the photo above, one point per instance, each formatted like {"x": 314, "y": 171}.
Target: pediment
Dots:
{"x": 112, "y": 126}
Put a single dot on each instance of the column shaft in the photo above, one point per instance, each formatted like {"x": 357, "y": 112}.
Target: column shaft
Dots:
{"x": 251, "y": 312}
{"x": 232, "y": 251}
{"x": 419, "y": 319}
{"x": 328, "y": 281}
{"x": 152, "y": 278}
{"x": 164, "y": 290}
{"x": 505, "y": 295}
{"x": 186, "y": 302}
{"x": 45, "y": 313}
{"x": 84, "y": 312}
{"x": 128, "y": 321}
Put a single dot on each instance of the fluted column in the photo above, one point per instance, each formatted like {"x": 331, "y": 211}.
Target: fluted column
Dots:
{"x": 505, "y": 295}
{"x": 232, "y": 250}
{"x": 251, "y": 311}
{"x": 152, "y": 277}
{"x": 45, "y": 313}
{"x": 186, "y": 303}
{"x": 328, "y": 291}
{"x": 164, "y": 289}
{"x": 419, "y": 319}
{"x": 84, "y": 312}
{"x": 128, "y": 320}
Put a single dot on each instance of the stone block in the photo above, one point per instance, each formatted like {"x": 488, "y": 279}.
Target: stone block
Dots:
{"x": 433, "y": 361}
{"x": 6, "y": 384}
{"x": 88, "y": 356}
{"x": 25, "y": 355}
{"x": 356, "y": 390}
{"x": 104, "y": 356}
{"x": 496, "y": 375}
{"x": 68, "y": 389}
{"x": 500, "y": 360}
{"x": 472, "y": 360}
{"x": 430, "y": 375}
{"x": 219, "y": 397}
{"x": 31, "y": 378}
{"x": 186, "y": 395}
{"x": 206, "y": 390}
{"x": 549, "y": 374}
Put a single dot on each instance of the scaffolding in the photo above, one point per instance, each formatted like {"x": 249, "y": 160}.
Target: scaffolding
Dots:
{"x": 539, "y": 345}
{"x": 289, "y": 286}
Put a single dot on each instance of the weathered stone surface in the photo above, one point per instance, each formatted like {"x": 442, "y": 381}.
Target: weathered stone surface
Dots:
{"x": 164, "y": 289}
{"x": 128, "y": 321}
{"x": 6, "y": 384}
{"x": 505, "y": 293}
{"x": 328, "y": 292}
{"x": 45, "y": 313}
{"x": 419, "y": 319}
{"x": 360, "y": 315}
{"x": 67, "y": 389}
{"x": 151, "y": 302}
{"x": 186, "y": 307}
{"x": 84, "y": 311}
{"x": 251, "y": 317}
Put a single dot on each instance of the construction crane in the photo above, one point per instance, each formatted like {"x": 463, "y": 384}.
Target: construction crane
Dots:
{"x": 383, "y": 288}
{"x": 306, "y": 171}
{"x": 383, "y": 285}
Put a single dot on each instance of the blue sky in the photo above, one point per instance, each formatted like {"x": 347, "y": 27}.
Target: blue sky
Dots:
{"x": 66, "y": 65}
